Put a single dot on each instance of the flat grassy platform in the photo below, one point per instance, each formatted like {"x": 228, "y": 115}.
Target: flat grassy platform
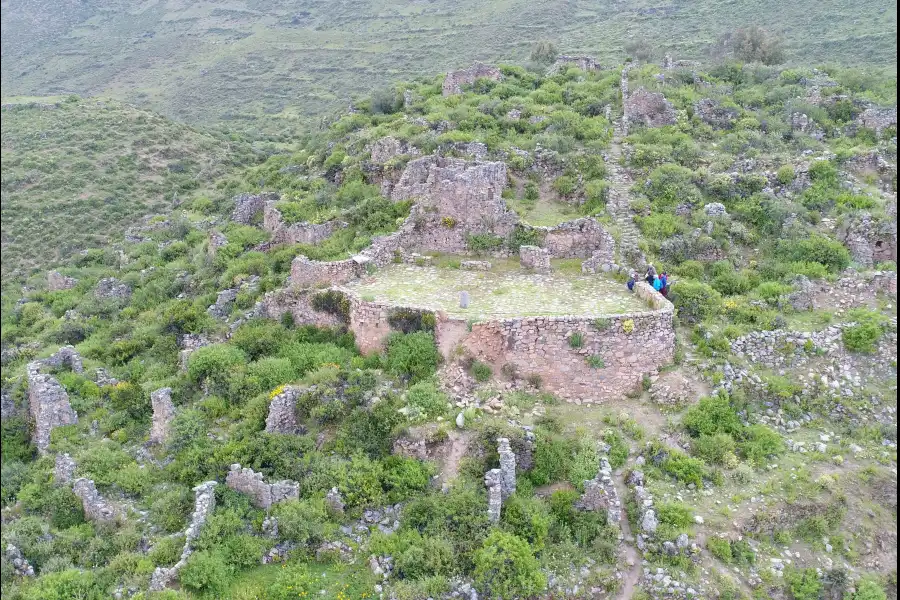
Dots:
{"x": 498, "y": 293}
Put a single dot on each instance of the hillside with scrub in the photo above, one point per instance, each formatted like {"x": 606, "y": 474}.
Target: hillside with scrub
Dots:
{"x": 263, "y": 66}
{"x": 202, "y": 409}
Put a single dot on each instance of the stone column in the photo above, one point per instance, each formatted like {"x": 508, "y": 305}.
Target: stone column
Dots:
{"x": 507, "y": 467}
{"x": 163, "y": 413}
{"x": 493, "y": 479}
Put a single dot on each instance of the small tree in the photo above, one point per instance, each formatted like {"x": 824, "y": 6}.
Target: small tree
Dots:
{"x": 505, "y": 567}
{"x": 753, "y": 44}
{"x": 544, "y": 52}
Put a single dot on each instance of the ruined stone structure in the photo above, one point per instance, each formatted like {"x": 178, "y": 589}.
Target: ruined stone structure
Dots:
{"x": 600, "y": 494}
{"x": 21, "y": 566}
{"x": 248, "y": 206}
{"x": 188, "y": 343}
{"x": 95, "y": 507}
{"x": 334, "y": 500}
{"x": 56, "y": 281}
{"x": 111, "y": 288}
{"x": 493, "y": 480}
{"x": 624, "y": 90}
{"x": 712, "y": 113}
{"x": 48, "y": 405}
{"x": 163, "y": 413}
{"x": 262, "y": 494}
{"x": 507, "y": 468}
{"x": 298, "y": 303}
{"x": 63, "y": 469}
{"x": 581, "y": 238}
{"x": 878, "y": 118}
{"x": 454, "y": 80}
{"x": 311, "y": 273}
{"x": 535, "y": 258}
{"x": 870, "y": 241}
{"x": 389, "y": 147}
{"x": 65, "y": 357}
{"x": 649, "y": 109}
{"x": 296, "y": 233}
{"x": 282, "y": 417}
{"x": 204, "y": 503}
{"x": 585, "y": 63}
{"x": 216, "y": 240}
{"x": 802, "y": 123}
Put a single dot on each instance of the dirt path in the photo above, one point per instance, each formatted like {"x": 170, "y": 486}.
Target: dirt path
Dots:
{"x": 629, "y": 550}
{"x": 455, "y": 449}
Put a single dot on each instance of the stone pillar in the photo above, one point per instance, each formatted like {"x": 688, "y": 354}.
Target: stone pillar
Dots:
{"x": 507, "y": 467}
{"x": 493, "y": 479}
{"x": 95, "y": 508}
{"x": 282, "y": 417}
{"x": 48, "y": 404}
{"x": 63, "y": 470}
{"x": 535, "y": 258}
{"x": 163, "y": 413}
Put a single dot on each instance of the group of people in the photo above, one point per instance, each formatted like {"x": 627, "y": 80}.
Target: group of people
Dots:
{"x": 659, "y": 281}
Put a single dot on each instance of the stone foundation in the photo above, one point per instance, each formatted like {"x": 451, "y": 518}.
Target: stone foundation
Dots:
{"x": 204, "y": 504}
{"x": 95, "y": 507}
{"x": 649, "y": 109}
{"x": 312, "y": 273}
{"x": 282, "y": 417}
{"x": 247, "y": 206}
{"x": 297, "y": 233}
{"x": 454, "y": 80}
{"x": 581, "y": 238}
{"x": 534, "y": 258}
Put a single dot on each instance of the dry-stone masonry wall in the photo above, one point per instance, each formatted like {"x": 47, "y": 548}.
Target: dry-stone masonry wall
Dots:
{"x": 163, "y": 413}
{"x": 65, "y": 357}
{"x": 585, "y": 63}
{"x": 282, "y": 417}
{"x": 247, "y": 206}
{"x": 262, "y": 494}
{"x": 204, "y": 503}
{"x": 870, "y": 241}
{"x": 56, "y": 281}
{"x": 21, "y": 566}
{"x": 600, "y": 494}
{"x": 224, "y": 301}
{"x": 454, "y": 80}
{"x": 297, "y": 233}
{"x": 63, "y": 469}
{"x": 112, "y": 288}
{"x": 535, "y": 258}
{"x": 493, "y": 480}
{"x": 216, "y": 240}
{"x": 878, "y": 118}
{"x": 48, "y": 404}
{"x": 389, "y": 147}
{"x": 95, "y": 507}
{"x": 507, "y": 468}
{"x": 650, "y": 109}
{"x": 581, "y": 238}
{"x": 311, "y": 273}
{"x": 712, "y": 113}
{"x": 297, "y": 302}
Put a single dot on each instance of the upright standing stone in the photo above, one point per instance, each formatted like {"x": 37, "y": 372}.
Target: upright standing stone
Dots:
{"x": 464, "y": 299}
{"x": 163, "y": 413}
{"x": 493, "y": 479}
{"x": 63, "y": 469}
{"x": 48, "y": 404}
{"x": 507, "y": 467}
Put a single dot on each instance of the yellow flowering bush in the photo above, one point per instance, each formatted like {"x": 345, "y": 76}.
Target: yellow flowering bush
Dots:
{"x": 628, "y": 326}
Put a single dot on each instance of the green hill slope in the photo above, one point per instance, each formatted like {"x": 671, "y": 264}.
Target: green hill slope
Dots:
{"x": 221, "y": 60}
{"x": 77, "y": 172}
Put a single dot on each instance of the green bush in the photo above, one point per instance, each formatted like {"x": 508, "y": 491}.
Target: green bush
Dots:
{"x": 481, "y": 371}
{"x": 803, "y": 584}
{"x": 293, "y": 581}
{"x": 505, "y": 568}
{"x": 259, "y": 338}
{"x": 785, "y": 175}
{"x": 760, "y": 443}
{"x": 205, "y": 572}
{"x": 713, "y": 448}
{"x": 815, "y": 248}
{"x": 659, "y": 226}
{"x": 65, "y": 585}
{"x": 670, "y": 185}
{"x": 864, "y": 334}
{"x": 695, "y": 301}
{"x": 712, "y": 415}
{"x": 677, "y": 516}
{"x": 690, "y": 269}
{"x": 564, "y": 185}
{"x": 427, "y": 399}
{"x": 684, "y": 468}
{"x": 721, "y": 549}
{"x": 527, "y": 518}
{"x": 125, "y": 397}
{"x": 413, "y": 356}
{"x": 405, "y": 477}
{"x": 483, "y": 242}
{"x": 183, "y": 316}
{"x": 869, "y": 590}
{"x": 552, "y": 457}
{"x": 215, "y": 362}
{"x": 301, "y": 521}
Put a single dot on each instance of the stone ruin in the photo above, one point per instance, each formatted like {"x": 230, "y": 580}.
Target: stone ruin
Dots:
{"x": 48, "y": 404}
{"x": 501, "y": 483}
{"x": 111, "y": 288}
{"x": 188, "y": 343}
{"x": 804, "y": 124}
{"x": 248, "y": 206}
{"x": 390, "y": 147}
{"x": 580, "y": 238}
{"x": 216, "y": 240}
{"x": 334, "y": 500}
{"x": 475, "y": 265}
{"x": 224, "y": 301}
{"x": 585, "y": 63}
{"x": 878, "y": 119}
{"x": 95, "y": 507}
{"x": 163, "y": 413}
{"x": 262, "y": 494}
{"x": 454, "y": 80}
{"x": 600, "y": 494}
{"x": 282, "y": 417}
{"x": 870, "y": 241}
{"x": 21, "y": 566}
{"x": 650, "y": 109}
{"x": 535, "y": 258}
{"x": 204, "y": 504}
{"x": 714, "y": 114}
{"x": 65, "y": 357}
{"x": 296, "y": 233}
{"x": 63, "y": 469}
{"x": 56, "y": 281}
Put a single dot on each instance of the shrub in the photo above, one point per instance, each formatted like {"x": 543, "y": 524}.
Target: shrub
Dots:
{"x": 188, "y": 428}
{"x": 731, "y": 283}
{"x": 483, "y": 242}
{"x": 720, "y": 548}
{"x": 785, "y": 175}
{"x": 670, "y": 185}
{"x": 804, "y": 584}
{"x": 618, "y": 448}
{"x": 427, "y": 399}
{"x": 713, "y": 448}
{"x": 410, "y": 321}
{"x": 659, "y": 226}
{"x": 505, "y": 568}
{"x": 584, "y": 462}
{"x": 753, "y": 44}
{"x": 864, "y": 335}
{"x": 170, "y": 508}
{"x": 552, "y": 457}
{"x": 65, "y": 585}
{"x": 695, "y": 301}
{"x": 710, "y": 416}
{"x": 564, "y": 185}
{"x": 815, "y": 248}
{"x": 404, "y": 477}
{"x": 259, "y": 338}
{"x": 481, "y": 371}
{"x": 215, "y": 362}
{"x": 684, "y": 468}
{"x": 527, "y": 518}
{"x": 206, "y": 572}
{"x": 869, "y": 590}
{"x": 690, "y": 269}
{"x": 595, "y": 361}
{"x": 301, "y": 521}
{"x": 128, "y": 398}
{"x": 293, "y": 581}
{"x": 413, "y": 356}
{"x": 332, "y": 302}
{"x": 576, "y": 340}
{"x": 760, "y": 443}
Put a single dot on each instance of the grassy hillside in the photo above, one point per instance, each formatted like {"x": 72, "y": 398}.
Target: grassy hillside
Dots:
{"x": 241, "y": 60}
{"x": 78, "y": 172}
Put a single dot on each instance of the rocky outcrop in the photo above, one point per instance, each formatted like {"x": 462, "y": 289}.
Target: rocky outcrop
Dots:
{"x": 714, "y": 114}
{"x": 535, "y": 258}
{"x": 56, "y": 281}
{"x": 649, "y": 109}
{"x": 63, "y": 469}
{"x": 248, "y": 206}
{"x": 163, "y": 413}
{"x": 387, "y": 148}
{"x": 224, "y": 301}
{"x": 715, "y": 209}
{"x": 454, "y": 80}
{"x": 188, "y": 343}
{"x": 282, "y": 417}
{"x": 48, "y": 404}
{"x": 204, "y": 504}
{"x": 335, "y": 501}
{"x": 262, "y": 494}
{"x": 215, "y": 241}
{"x": 95, "y": 507}
{"x": 804, "y": 124}
{"x": 111, "y": 288}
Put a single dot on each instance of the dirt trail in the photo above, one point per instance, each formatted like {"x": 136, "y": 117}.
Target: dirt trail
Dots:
{"x": 629, "y": 550}
{"x": 455, "y": 449}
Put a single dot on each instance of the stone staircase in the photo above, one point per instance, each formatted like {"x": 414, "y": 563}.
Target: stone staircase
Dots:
{"x": 618, "y": 204}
